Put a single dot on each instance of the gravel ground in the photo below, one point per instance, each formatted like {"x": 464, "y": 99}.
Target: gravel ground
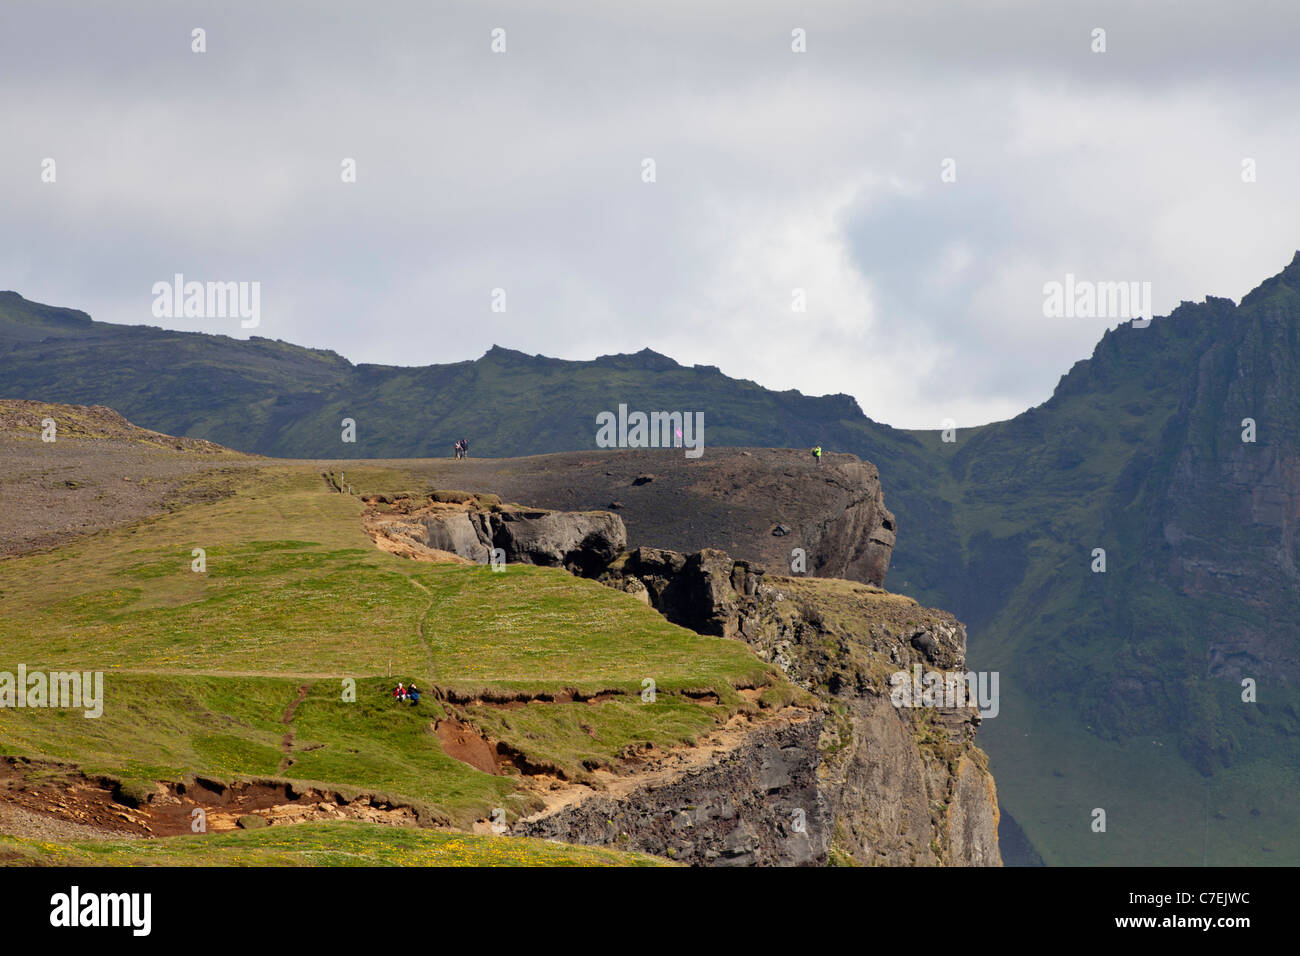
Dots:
{"x": 98, "y": 473}
{"x": 15, "y": 821}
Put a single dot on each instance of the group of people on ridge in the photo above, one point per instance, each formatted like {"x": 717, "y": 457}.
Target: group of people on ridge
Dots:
{"x": 462, "y": 448}
{"x": 409, "y": 694}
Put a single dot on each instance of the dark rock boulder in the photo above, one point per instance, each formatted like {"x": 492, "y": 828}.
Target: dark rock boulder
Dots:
{"x": 704, "y": 591}
{"x": 857, "y": 541}
{"x": 455, "y": 531}
{"x": 583, "y": 542}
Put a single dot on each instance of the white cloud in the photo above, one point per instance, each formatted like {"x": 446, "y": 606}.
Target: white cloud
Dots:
{"x": 776, "y": 170}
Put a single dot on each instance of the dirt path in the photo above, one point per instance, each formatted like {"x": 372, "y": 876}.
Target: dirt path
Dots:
{"x": 419, "y": 629}
{"x": 286, "y": 743}
{"x": 652, "y": 768}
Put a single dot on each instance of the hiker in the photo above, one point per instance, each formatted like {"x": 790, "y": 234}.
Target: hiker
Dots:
{"x": 457, "y": 447}
{"x": 817, "y": 453}
{"x": 413, "y": 694}
{"x": 399, "y": 692}
{"x": 464, "y": 448}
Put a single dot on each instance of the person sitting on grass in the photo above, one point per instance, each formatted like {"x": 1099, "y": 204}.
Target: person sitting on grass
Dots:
{"x": 399, "y": 692}
{"x": 413, "y": 694}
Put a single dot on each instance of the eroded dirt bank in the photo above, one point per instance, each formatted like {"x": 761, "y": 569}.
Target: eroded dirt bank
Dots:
{"x": 56, "y": 799}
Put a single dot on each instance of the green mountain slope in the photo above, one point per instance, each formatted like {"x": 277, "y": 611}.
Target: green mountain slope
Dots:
{"x": 1122, "y": 690}
{"x": 278, "y": 399}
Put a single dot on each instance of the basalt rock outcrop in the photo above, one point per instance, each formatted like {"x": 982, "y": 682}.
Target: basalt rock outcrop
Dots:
{"x": 849, "y": 778}
{"x": 900, "y": 785}
{"x": 454, "y": 531}
{"x": 703, "y": 591}
{"x": 581, "y": 542}
{"x": 757, "y": 504}
{"x": 856, "y": 541}
{"x": 757, "y": 803}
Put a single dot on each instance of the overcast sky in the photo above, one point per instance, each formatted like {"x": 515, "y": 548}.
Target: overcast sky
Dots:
{"x": 775, "y": 171}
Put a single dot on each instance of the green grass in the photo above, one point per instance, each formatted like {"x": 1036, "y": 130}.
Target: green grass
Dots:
{"x": 575, "y": 737}
{"x": 161, "y": 727}
{"x": 271, "y": 603}
{"x": 200, "y": 667}
{"x": 318, "y": 844}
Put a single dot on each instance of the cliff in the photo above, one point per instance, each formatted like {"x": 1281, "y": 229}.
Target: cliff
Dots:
{"x": 855, "y": 779}
{"x": 899, "y": 785}
{"x": 757, "y": 504}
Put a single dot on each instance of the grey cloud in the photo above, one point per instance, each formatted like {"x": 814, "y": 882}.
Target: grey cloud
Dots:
{"x": 775, "y": 170}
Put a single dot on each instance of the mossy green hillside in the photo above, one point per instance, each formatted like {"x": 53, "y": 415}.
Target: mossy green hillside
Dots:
{"x": 200, "y": 667}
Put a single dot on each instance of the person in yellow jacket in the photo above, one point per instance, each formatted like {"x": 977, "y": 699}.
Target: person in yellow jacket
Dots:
{"x": 817, "y": 453}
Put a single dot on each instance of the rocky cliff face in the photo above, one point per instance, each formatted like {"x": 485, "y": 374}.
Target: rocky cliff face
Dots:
{"x": 704, "y": 591}
{"x": 900, "y": 785}
{"x": 833, "y": 511}
{"x": 757, "y": 504}
{"x": 1144, "y": 457}
{"x": 853, "y": 779}
{"x": 1225, "y": 518}
{"x": 855, "y": 541}
{"x": 473, "y": 528}
{"x": 758, "y": 802}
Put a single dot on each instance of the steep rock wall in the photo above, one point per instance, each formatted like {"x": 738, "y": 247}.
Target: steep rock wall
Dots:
{"x": 760, "y": 803}
{"x": 904, "y": 786}
{"x": 857, "y": 781}
{"x": 757, "y": 504}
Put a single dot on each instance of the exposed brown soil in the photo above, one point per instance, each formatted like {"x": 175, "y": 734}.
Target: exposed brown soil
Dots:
{"x": 293, "y": 708}
{"x": 701, "y": 697}
{"x": 463, "y": 741}
{"x": 100, "y": 472}
{"x": 510, "y": 699}
{"x": 391, "y": 536}
{"x": 63, "y": 803}
{"x": 20, "y": 822}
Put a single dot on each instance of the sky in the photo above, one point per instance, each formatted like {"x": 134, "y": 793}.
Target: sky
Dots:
{"x": 919, "y": 171}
